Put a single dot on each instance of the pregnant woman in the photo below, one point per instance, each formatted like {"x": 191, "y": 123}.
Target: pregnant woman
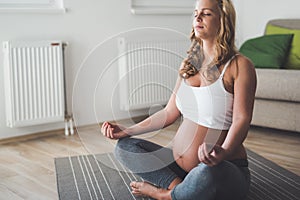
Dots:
{"x": 215, "y": 94}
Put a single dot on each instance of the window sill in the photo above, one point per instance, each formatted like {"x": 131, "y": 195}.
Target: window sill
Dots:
{"x": 34, "y": 10}
{"x": 162, "y": 11}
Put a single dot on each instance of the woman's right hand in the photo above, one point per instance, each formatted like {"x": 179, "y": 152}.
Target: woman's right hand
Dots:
{"x": 113, "y": 131}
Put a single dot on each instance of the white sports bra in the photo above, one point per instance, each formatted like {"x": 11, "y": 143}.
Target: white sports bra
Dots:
{"x": 210, "y": 106}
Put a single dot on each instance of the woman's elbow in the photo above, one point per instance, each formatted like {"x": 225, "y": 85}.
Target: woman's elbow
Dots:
{"x": 244, "y": 119}
{"x": 172, "y": 115}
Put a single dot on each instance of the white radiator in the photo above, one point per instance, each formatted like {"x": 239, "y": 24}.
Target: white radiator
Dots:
{"x": 34, "y": 82}
{"x": 148, "y": 69}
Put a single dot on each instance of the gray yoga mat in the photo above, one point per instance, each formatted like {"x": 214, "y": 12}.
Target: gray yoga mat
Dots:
{"x": 96, "y": 177}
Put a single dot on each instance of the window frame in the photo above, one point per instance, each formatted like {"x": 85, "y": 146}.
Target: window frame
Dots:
{"x": 166, "y": 7}
{"x": 32, "y": 6}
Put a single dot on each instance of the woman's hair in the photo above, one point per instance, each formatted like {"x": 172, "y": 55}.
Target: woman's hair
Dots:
{"x": 225, "y": 47}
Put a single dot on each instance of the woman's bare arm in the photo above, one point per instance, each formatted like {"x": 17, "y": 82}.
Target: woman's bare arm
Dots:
{"x": 244, "y": 93}
{"x": 158, "y": 120}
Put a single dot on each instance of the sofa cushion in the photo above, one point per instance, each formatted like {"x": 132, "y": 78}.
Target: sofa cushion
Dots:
{"x": 269, "y": 51}
{"x": 278, "y": 84}
{"x": 276, "y": 114}
{"x": 293, "y": 60}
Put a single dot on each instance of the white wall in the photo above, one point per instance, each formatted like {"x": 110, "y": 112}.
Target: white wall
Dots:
{"x": 85, "y": 25}
{"x": 253, "y": 15}
{"x": 91, "y": 22}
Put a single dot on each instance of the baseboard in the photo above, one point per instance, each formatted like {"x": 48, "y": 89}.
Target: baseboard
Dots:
{"x": 31, "y": 136}
{"x": 58, "y": 132}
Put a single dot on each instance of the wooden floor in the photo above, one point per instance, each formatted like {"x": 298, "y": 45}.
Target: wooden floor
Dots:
{"x": 27, "y": 165}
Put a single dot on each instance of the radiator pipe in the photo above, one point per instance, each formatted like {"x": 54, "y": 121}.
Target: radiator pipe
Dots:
{"x": 68, "y": 118}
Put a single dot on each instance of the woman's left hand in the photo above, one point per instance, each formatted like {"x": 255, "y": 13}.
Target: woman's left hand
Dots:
{"x": 211, "y": 154}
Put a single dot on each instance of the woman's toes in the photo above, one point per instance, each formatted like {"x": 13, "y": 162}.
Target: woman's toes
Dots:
{"x": 134, "y": 184}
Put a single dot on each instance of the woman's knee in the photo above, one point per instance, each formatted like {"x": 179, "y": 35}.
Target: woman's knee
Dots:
{"x": 129, "y": 148}
{"x": 204, "y": 171}
{"x": 203, "y": 179}
{"x": 123, "y": 146}
{"x": 198, "y": 184}
{"x": 123, "y": 143}
{"x": 217, "y": 182}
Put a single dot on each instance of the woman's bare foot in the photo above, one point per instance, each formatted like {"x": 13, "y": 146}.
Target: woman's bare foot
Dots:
{"x": 147, "y": 189}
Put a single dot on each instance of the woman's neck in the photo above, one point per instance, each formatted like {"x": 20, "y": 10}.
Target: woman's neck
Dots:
{"x": 209, "y": 47}
{"x": 209, "y": 50}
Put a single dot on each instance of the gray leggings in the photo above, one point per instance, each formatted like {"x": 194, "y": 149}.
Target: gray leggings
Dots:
{"x": 155, "y": 164}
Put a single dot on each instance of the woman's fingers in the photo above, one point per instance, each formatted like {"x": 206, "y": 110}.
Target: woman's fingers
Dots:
{"x": 109, "y": 132}
{"x": 204, "y": 151}
{"x": 102, "y": 128}
{"x": 105, "y": 129}
{"x": 205, "y": 154}
{"x": 201, "y": 154}
{"x": 104, "y": 123}
{"x": 208, "y": 154}
{"x": 112, "y": 131}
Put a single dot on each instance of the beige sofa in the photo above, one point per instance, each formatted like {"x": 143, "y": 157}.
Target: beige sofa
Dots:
{"x": 277, "y": 103}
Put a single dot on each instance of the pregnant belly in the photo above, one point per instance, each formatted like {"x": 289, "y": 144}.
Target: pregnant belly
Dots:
{"x": 187, "y": 140}
{"x": 186, "y": 143}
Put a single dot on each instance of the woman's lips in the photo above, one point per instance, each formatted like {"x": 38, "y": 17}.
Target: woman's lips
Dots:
{"x": 199, "y": 27}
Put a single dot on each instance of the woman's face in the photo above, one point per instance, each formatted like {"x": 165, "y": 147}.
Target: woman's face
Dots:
{"x": 206, "y": 21}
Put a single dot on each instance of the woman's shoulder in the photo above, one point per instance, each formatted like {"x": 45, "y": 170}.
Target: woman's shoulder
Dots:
{"x": 243, "y": 60}
{"x": 242, "y": 65}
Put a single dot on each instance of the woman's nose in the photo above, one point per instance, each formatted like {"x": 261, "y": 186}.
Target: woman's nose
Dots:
{"x": 199, "y": 18}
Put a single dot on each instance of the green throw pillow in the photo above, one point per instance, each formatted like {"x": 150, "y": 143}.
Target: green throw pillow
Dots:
{"x": 293, "y": 60}
{"x": 268, "y": 51}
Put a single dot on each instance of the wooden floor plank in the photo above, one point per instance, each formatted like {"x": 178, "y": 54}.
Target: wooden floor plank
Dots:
{"x": 6, "y": 193}
{"x": 281, "y": 147}
{"x": 27, "y": 168}
{"x": 26, "y": 188}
